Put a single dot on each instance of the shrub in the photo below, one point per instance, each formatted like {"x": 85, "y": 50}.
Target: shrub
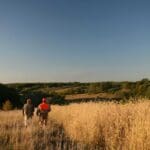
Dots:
{"x": 147, "y": 92}
{"x": 124, "y": 94}
{"x": 57, "y": 98}
{"x": 7, "y": 105}
{"x": 9, "y": 93}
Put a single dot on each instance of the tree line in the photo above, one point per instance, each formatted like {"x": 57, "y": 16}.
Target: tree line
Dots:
{"x": 14, "y": 95}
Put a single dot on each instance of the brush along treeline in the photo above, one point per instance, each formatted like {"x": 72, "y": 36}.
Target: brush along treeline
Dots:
{"x": 18, "y": 93}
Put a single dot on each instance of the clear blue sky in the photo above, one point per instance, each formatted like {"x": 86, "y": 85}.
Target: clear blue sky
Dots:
{"x": 74, "y": 40}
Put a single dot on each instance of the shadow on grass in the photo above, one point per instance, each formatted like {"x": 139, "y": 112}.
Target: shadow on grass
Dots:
{"x": 52, "y": 137}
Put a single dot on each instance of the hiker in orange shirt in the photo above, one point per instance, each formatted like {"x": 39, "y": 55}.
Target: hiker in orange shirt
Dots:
{"x": 43, "y": 109}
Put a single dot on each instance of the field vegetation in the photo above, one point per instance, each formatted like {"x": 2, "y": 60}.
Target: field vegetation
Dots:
{"x": 100, "y": 125}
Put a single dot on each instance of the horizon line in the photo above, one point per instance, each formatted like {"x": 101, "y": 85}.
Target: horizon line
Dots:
{"x": 46, "y": 82}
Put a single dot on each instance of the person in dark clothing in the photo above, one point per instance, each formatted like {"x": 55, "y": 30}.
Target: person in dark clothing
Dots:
{"x": 28, "y": 111}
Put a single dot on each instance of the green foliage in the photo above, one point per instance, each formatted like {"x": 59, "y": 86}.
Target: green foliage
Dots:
{"x": 17, "y": 93}
{"x": 147, "y": 92}
{"x": 126, "y": 85}
{"x": 100, "y": 87}
{"x": 9, "y": 93}
{"x": 142, "y": 88}
{"x": 57, "y": 98}
{"x": 105, "y": 86}
{"x": 7, "y": 105}
{"x": 95, "y": 88}
{"x": 75, "y": 90}
{"x": 124, "y": 94}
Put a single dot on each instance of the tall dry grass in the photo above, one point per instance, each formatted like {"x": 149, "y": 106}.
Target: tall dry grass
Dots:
{"x": 14, "y": 136}
{"x": 110, "y": 125}
{"x": 82, "y": 126}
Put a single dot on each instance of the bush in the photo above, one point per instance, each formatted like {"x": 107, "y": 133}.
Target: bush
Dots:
{"x": 7, "y": 105}
{"x": 124, "y": 94}
{"x": 147, "y": 92}
{"x": 95, "y": 88}
{"x": 9, "y": 93}
{"x": 57, "y": 99}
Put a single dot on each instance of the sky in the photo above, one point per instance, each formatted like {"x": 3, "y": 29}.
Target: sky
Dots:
{"x": 74, "y": 40}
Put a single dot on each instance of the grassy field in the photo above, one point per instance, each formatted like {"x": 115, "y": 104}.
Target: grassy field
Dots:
{"x": 107, "y": 126}
{"x": 88, "y": 96}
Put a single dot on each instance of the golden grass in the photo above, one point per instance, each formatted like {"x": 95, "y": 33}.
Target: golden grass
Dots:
{"x": 84, "y": 96}
{"x": 100, "y": 125}
{"x": 114, "y": 126}
{"x": 14, "y": 136}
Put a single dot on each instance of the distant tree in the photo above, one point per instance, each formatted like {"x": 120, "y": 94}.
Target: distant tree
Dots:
{"x": 125, "y": 85}
{"x": 80, "y": 90}
{"x": 9, "y": 93}
{"x": 141, "y": 87}
{"x": 70, "y": 91}
{"x": 147, "y": 92}
{"x": 123, "y": 94}
{"x": 144, "y": 81}
{"x": 106, "y": 86}
{"x": 57, "y": 98}
{"x": 95, "y": 88}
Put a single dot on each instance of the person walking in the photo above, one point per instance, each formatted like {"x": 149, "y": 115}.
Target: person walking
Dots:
{"x": 28, "y": 111}
{"x": 42, "y": 111}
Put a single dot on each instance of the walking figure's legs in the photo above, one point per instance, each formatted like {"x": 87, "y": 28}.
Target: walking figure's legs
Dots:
{"x": 25, "y": 121}
{"x": 43, "y": 120}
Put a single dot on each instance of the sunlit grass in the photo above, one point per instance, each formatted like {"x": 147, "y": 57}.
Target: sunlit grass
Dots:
{"x": 100, "y": 125}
